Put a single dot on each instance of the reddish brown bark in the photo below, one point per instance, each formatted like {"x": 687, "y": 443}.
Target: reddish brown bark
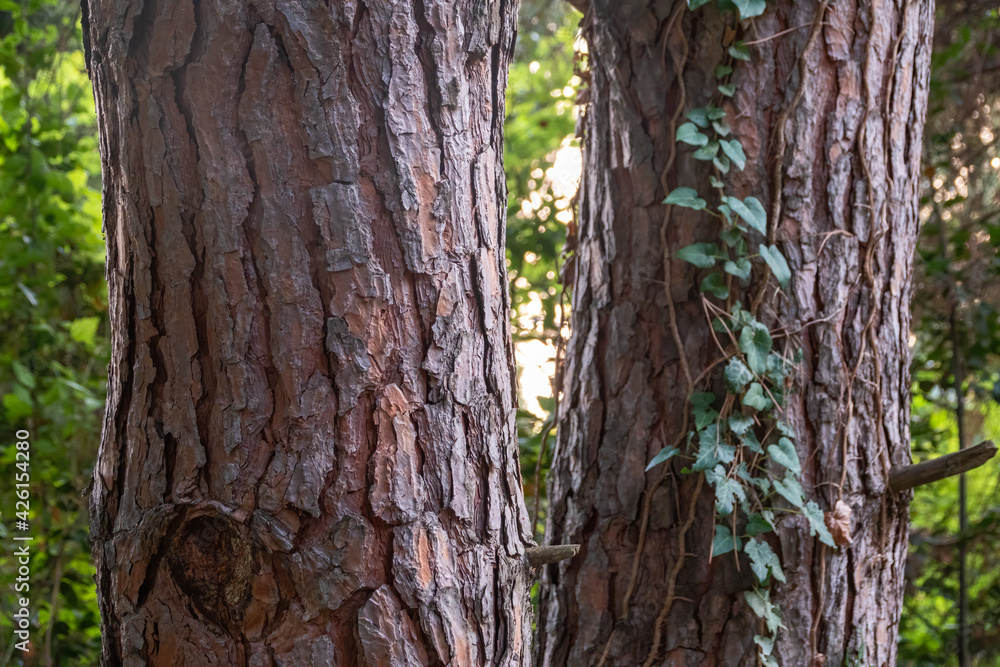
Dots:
{"x": 309, "y": 454}
{"x": 848, "y": 155}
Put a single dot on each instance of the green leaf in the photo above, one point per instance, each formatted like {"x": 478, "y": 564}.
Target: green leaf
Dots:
{"x": 763, "y": 560}
{"x": 16, "y": 406}
{"x": 84, "y": 330}
{"x": 716, "y": 285}
{"x": 722, "y": 71}
{"x": 722, "y": 127}
{"x": 701, "y": 255}
{"x": 722, "y": 164}
{"x": 727, "y": 89}
{"x": 738, "y": 376}
{"x": 817, "y": 523}
{"x": 750, "y": 210}
{"x": 755, "y": 398}
{"x": 698, "y": 116}
{"x": 686, "y": 197}
{"x": 23, "y": 375}
{"x": 750, "y": 8}
{"x": 760, "y": 603}
{"x": 779, "y": 267}
{"x": 715, "y": 182}
{"x": 724, "y": 541}
{"x": 758, "y": 525}
{"x": 749, "y": 439}
{"x": 740, "y": 268}
{"x": 689, "y": 134}
{"x": 740, "y": 424}
{"x": 740, "y": 51}
{"x": 727, "y": 490}
{"x": 784, "y": 454}
{"x": 716, "y": 113}
{"x": 665, "y": 454}
{"x": 755, "y": 343}
{"x": 707, "y": 152}
{"x": 731, "y": 237}
{"x": 790, "y": 489}
{"x": 701, "y": 408}
{"x": 765, "y": 644}
{"x": 695, "y": 4}
{"x": 777, "y": 369}
{"x": 734, "y": 151}
{"x": 711, "y": 450}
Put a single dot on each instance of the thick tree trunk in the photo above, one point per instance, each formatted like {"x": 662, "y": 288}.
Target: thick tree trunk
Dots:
{"x": 832, "y": 131}
{"x": 309, "y": 453}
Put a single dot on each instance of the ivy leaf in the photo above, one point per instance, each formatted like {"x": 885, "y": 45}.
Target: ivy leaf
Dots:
{"x": 765, "y": 644}
{"x": 722, "y": 127}
{"x": 740, "y": 268}
{"x": 740, "y": 424}
{"x": 738, "y": 376}
{"x": 701, "y": 255}
{"x": 740, "y": 51}
{"x": 784, "y": 453}
{"x": 707, "y": 152}
{"x": 712, "y": 452}
{"x": 722, "y": 71}
{"x": 758, "y": 525}
{"x": 777, "y": 369}
{"x": 779, "y": 267}
{"x": 701, "y": 407}
{"x": 665, "y": 454}
{"x": 731, "y": 236}
{"x": 727, "y": 490}
{"x": 751, "y": 210}
{"x": 817, "y": 523}
{"x": 727, "y": 89}
{"x": 750, "y": 8}
{"x": 698, "y": 116}
{"x": 716, "y": 285}
{"x": 763, "y": 560}
{"x": 760, "y": 603}
{"x": 689, "y": 134}
{"x": 722, "y": 164}
{"x": 755, "y": 398}
{"x": 749, "y": 439}
{"x": 734, "y": 151}
{"x": 790, "y": 489}
{"x": 686, "y": 197}
{"x": 716, "y": 113}
{"x": 724, "y": 541}
{"x": 755, "y": 343}
{"x": 715, "y": 183}
{"x": 695, "y": 4}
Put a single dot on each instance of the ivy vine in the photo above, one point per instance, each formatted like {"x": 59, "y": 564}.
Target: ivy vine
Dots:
{"x": 740, "y": 443}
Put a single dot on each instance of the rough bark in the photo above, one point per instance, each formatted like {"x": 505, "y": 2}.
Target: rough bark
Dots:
{"x": 309, "y": 453}
{"x": 848, "y": 155}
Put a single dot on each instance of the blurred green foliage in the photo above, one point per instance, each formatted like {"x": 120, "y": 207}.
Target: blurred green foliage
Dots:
{"x": 957, "y": 277}
{"x": 53, "y": 336}
{"x": 541, "y": 96}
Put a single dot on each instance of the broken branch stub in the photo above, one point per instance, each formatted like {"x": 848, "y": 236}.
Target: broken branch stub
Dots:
{"x": 902, "y": 478}
{"x": 539, "y": 556}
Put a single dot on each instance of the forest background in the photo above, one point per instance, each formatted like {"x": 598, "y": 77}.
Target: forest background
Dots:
{"x": 53, "y": 306}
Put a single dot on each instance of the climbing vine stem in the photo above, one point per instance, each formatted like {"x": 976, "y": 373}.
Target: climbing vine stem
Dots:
{"x": 739, "y": 442}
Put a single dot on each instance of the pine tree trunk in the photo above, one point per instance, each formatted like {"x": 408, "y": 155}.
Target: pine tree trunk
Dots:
{"x": 832, "y": 130}
{"x": 309, "y": 451}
